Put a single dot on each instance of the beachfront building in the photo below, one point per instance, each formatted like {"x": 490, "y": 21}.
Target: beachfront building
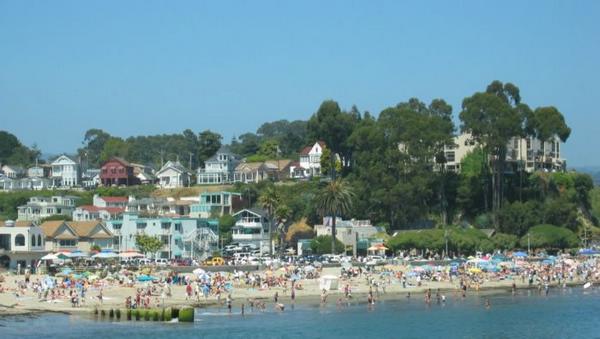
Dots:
{"x": 102, "y": 208}
{"x": 21, "y": 244}
{"x": 39, "y": 207}
{"x": 65, "y": 172}
{"x": 182, "y": 237}
{"x": 173, "y": 175}
{"x": 117, "y": 171}
{"x": 216, "y": 204}
{"x": 252, "y": 227}
{"x": 70, "y": 236}
{"x": 528, "y": 154}
{"x": 219, "y": 168}
{"x": 310, "y": 162}
{"x": 350, "y": 232}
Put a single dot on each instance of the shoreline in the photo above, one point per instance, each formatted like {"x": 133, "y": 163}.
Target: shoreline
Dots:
{"x": 393, "y": 293}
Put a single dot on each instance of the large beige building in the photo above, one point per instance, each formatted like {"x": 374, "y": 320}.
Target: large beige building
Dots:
{"x": 76, "y": 235}
{"x": 525, "y": 152}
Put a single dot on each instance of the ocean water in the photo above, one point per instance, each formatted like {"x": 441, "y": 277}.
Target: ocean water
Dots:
{"x": 570, "y": 313}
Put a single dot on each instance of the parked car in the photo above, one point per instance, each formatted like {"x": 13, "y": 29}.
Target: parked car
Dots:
{"x": 161, "y": 262}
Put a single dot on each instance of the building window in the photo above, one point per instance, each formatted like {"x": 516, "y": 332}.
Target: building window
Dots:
{"x": 39, "y": 243}
{"x": 20, "y": 240}
{"x": 33, "y": 240}
{"x": 67, "y": 243}
{"x": 178, "y": 227}
{"x": 450, "y": 157}
{"x": 165, "y": 225}
{"x": 141, "y": 225}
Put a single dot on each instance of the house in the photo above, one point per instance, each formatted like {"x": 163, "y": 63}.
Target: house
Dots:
{"x": 252, "y": 227}
{"x": 39, "y": 171}
{"x": 117, "y": 171}
{"x": 159, "y": 206}
{"x": 310, "y": 162}
{"x": 182, "y": 237}
{"x": 65, "y": 172}
{"x": 349, "y": 232}
{"x": 21, "y": 244}
{"x": 91, "y": 178}
{"x": 173, "y": 175}
{"x": 144, "y": 173}
{"x": 528, "y": 154}
{"x": 39, "y": 207}
{"x": 8, "y": 184}
{"x": 216, "y": 204}
{"x": 219, "y": 168}
{"x": 280, "y": 168}
{"x": 76, "y": 235}
{"x": 13, "y": 172}
{"x": 247, "y": 172}
{"x": 99, "y": 201}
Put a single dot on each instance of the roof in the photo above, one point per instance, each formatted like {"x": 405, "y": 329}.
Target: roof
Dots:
{"x": 176, "y": 165}
{"x": 115, "y": 199}
{"x": 111, "y": 210}
{"x": 306, "y": 150}
{"x": 64, "y": 156}
{"x": 84, "y": 228}
{"x": 120, "y": 160}
{"x": 249, "y": 166}
{"x": 253, "y": 210}
{"x": 14, "y": 168}
{"x": 279, "y": 164}
{"x": 50, "y": 227}
{"x": 19, "y": 223}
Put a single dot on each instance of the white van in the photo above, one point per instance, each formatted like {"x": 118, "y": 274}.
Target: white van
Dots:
{"x": 161, "y": 262}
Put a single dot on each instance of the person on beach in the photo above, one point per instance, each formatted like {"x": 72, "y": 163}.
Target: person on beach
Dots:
{"x": 276, "y": 297}
{"x": 188, "y": 292}
{"x": 100, "y": 298}
{"x": 228, "y": 301}
{"x": 514, "y": 288}
{"x": 323, "y": 296}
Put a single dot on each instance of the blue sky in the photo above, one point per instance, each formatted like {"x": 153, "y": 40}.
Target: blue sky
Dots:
{"x": 148, "y": 67}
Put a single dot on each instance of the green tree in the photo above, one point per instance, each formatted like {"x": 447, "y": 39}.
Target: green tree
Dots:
{"x": 208, "y": 144}
{"x": 148, "y": 244}
{"x": 550, "y": 237}
{"x": 93, "y": 141}
{"x": 324, "y": 244}
{"x": 492, "y": 118}
{"x": 546, "y": 123}
{"x": 226, "y": 222}
{"x": 269, "y": 149}
{"x": 114, "y": 147}
{"x": 269, "y": 200}
{"x": 334, "y": 200}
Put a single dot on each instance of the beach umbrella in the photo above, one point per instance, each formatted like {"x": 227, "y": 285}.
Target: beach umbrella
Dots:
{"x": 475, "y": 270}
{"x": 49, "y": 256}
{"x": 105, "y": 255}
{"x": 418, "y": 269}
{"x": 199, "y": 271}
{"x": 587, "y": 251}
{"x": 131, "y": 255}
{"x": 520, "y": 254}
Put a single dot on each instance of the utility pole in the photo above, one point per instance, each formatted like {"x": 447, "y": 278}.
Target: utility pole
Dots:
{"x": 528, "y": 243}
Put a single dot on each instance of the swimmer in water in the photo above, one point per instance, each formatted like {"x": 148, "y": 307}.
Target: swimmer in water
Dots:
{"x": 487, "y": 303}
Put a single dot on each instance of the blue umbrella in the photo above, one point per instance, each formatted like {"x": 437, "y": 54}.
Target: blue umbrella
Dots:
{"x": 520, "y": 254}
{"x": 588, "y": 251}
{"x": 144, "y": 278}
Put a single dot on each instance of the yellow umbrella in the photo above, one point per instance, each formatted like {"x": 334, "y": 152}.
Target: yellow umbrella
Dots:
{"x": 475, "y": 270}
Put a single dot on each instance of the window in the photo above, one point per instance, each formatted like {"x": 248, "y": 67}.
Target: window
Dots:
{"x": 528, "y": 143}
{"x": 164, "y": 239}
{"x": 117, "y": 226}
{"x": 450, "y": 156}
{"x": 67, "y": 243}
{"x": 39, "y": 243}
{"x": 20, "y": 240}
{"x": 33, "y": 240}
{"x": 141, "y": 225}
{"x": 178, "y": 227}
{"x": 165, "y": 225}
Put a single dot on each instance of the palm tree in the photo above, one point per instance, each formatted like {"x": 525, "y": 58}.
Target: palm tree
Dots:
{"x": 282, "y": 214}
{"x": 334, "y": 200}
{"x": 269, "y": 200}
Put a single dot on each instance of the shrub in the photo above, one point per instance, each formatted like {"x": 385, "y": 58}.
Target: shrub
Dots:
{"x": 186, "y": 315}
{"x": 551, "y": 237}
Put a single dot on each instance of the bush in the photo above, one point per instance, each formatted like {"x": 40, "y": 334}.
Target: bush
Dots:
{"x": 118, "y": 313}
{"x": 128, "y": 314}
{"x": 550, "y": 237}
{"x": 155, "y": 315}
{"x": 136, "y": 314}
{"x": 168, "y": 314}
{"x": 322, "y": 245}
{"x": 147, "y": 315}
{"x": 505, "y": 241}
{"x": 186, "y": 315}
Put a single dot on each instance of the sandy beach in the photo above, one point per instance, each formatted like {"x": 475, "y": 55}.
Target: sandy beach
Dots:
{"x": 114, "y": 295}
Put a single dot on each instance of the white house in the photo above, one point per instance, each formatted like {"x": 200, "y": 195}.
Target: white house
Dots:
{"x": 310, "y": 162}
{"x": 252, "y": 227}
{"x": 348, "y": 232}
{"x": 173, "y": 175}
{"x": 21, "y": 244}
{"x": 42, "y": 207}
{"x": 13, "y": 172}
{"x": 66, "y": 172}
{"x": 219, "y": 168}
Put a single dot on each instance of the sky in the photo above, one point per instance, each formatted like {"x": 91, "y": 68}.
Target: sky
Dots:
{"x": 153, "y": 67}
